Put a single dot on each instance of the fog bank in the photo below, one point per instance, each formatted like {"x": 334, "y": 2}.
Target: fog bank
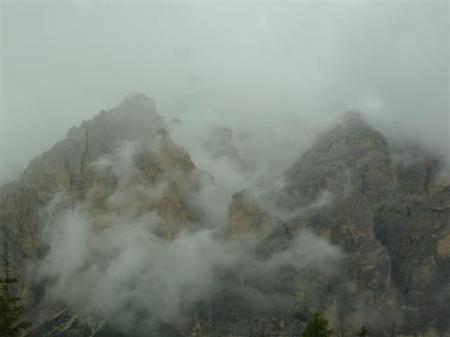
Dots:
{"x": 281, "y": 71}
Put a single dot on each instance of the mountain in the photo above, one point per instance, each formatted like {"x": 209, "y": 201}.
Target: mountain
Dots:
{"x": 392, "y": 220}
{"x": 357, "y": 232}
{"x": 73, "y": 167}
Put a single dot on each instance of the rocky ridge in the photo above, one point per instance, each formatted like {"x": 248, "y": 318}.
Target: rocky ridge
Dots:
{"x": 386, "y": 217}
{"x": 391, "y": 221}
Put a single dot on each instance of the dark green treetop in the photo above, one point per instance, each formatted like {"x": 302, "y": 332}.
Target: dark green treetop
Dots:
{"x": 317, "y": 326}
{"x": 364, "y": 332}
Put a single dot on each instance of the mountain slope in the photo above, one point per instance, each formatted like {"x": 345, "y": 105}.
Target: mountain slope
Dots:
{"x": 355, "y": 232}
{"x": 391, "y": 219}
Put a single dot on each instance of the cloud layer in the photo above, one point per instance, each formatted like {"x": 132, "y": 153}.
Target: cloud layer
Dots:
{"x": 280, "y": 70}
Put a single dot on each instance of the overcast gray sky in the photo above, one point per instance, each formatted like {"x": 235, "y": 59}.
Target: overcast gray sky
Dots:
{"x": 260, "y": 61}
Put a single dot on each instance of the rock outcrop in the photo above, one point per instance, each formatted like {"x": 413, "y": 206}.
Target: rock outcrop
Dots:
{"x": 390, "y": 218}
{"x": 105, "y": 163}
{"x": 248, "y": 215}
{"x": 220, "y": 144}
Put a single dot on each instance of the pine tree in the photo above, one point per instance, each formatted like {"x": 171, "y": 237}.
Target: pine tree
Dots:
{"x": 317, "y": 326}
{"x": 198, "y": 330}
{"x": 363, "y": 332}
{"x": 11, "y": 311}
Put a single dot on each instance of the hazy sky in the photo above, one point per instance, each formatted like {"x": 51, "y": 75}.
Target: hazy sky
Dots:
{"x": 259, "y": 62}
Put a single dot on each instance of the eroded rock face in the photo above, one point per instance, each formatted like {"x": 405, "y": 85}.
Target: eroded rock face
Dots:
{"x": 390, "y": 217}
{"x": 416, "y": 235}
{"x": 352, "y": 158}
{"x": 248, "y": 215}
{"x": 220, "y": 144}
{"x": 121, "y": 162}
{"x": 64, "y": 166}
{"x": 443, "y": 245}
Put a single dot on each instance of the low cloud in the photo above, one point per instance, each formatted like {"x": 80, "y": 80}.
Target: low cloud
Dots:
{"x": 280, "y": 72}
{"x": 113, "y": 263}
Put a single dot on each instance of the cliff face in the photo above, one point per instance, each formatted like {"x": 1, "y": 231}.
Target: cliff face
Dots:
{"x": 390, "y": 219}
{"x": 85, "y": 167}
{"x": 248, "y": 215}
{"x": 415, "y": 231}
{"x": 65, "y": 165}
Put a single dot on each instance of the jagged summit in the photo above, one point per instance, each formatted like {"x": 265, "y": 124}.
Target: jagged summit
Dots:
{"x": 353, "y": 117}
{"x": 350, "y": 155}
{"x": 380, "y": 211}
{"x": 349, "y": 188}
{"x": 353, "y": 157}
{"x": 135, "y": 119}
{"x": 137, "y": 99}
{"x": 137, "y": 110}
{"x": 75, "y": 166}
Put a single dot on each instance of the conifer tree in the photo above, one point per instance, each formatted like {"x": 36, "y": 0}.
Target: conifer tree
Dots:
{"x": 198, "y": 330}
{"x": 363, "y": 332}
{"x": 12, "y": 323}
{"x": 317, "y": 326}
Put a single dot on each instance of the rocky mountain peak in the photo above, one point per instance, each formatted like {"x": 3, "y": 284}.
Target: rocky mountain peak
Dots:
{"x": 135, "y": 119}
{"x": 350, "y": 156}
{"x": 138, "y": 103}
{"x": 353, "y": 118}
{"x": 381, "y": 213}
{"x": 349, "y": 188}
{"x": 132, "y": 129}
